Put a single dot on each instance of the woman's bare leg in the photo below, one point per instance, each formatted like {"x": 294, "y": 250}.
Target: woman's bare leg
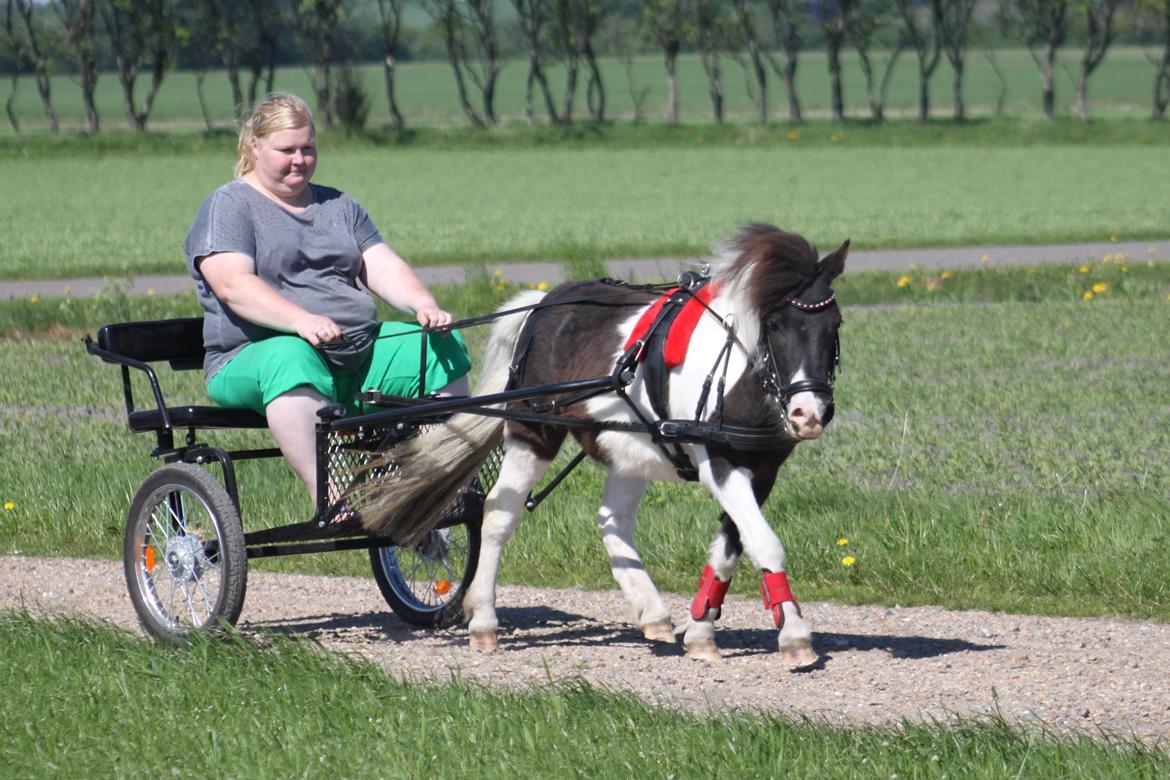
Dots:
{"x": 292, "y": 418}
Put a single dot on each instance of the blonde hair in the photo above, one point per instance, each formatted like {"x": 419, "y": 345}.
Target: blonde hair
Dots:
{"x": 279, "y": 111}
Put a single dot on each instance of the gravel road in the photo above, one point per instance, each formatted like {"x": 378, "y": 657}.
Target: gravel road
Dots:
{"x": 1104, "y": 677}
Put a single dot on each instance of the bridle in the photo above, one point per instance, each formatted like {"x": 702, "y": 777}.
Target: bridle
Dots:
{"x": 770, "y": 374}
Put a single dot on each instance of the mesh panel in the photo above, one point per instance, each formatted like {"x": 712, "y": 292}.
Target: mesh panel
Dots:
{"x": 349, "y": 455}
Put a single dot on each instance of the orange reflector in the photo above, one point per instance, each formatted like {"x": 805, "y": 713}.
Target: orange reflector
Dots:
{"x": 148, "y": 559}
{"x": 442, "y": 587}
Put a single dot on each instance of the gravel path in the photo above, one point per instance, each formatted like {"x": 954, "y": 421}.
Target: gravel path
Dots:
{"x": 1100, "y": 676}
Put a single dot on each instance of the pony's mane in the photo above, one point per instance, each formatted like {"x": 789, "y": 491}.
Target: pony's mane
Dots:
{"x": 760, "y": 268}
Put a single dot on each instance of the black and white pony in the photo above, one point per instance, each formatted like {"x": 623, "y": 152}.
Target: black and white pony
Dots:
{"x": 766, "y": 337}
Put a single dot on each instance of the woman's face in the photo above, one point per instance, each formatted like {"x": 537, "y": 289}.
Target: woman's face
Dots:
{"x": 285, "y": 160}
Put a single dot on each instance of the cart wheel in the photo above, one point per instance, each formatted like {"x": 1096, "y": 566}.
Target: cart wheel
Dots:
{"x": 424, "y": 584}
{"x": 186, "y": 567}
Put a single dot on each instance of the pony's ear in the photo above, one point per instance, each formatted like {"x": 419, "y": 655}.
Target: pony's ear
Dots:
{"x": 834, "y": 264}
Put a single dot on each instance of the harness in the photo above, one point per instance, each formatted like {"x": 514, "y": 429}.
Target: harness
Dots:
{"x": 657, "y": 344}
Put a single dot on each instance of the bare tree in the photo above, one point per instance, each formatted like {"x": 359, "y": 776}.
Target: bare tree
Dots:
{"x": 1045, "y": 26}
{"x": 26, "y": 50}
{"x": 954, "y": 23}
{"x": 467, "y": 25}
{"x": 318, "y": 20}
{"x": 589, "y": 18}
{"x": 667, "y": 20}
{"x": 568, "y": 46}
{"x": 1160, "y": 10}
{"x": 1098, "y": 37}
{"x": 745, "y": 15}
{"x": 259, "y": 40}
{"x": 141, "y": 34}
{"x": 786, "y": 24}
{"x": 833, "y": 17}
{"x": 621, "y": 35}
{"x": 711, "y": 38}
{"x": 391, "y": 14}
{"x": 10, "y": 103}
{"x": 77, "y": 20}
{"x": 869, "y": 20}
{"x": 922, "y": 30}
{"x": 532, "y": 15}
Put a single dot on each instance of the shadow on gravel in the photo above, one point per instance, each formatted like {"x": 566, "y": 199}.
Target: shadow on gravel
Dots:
{"x": 897, "y": 646}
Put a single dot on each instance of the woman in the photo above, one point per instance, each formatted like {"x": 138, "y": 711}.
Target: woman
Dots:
{"x": 277, "y": 261}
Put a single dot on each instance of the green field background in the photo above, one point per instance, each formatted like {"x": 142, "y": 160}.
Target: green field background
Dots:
{"x": 116, "y": 214}
{"x": 1122, "y": 85}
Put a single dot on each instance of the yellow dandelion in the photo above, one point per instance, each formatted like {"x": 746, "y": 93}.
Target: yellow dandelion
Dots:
{"x": 1125, "y": 269}
{"x": 835, "y": 137}
{"x": 542, "y": 286}
{"x": 1114, "y": 238}
{"x": 842, "y": 541}
{"x": 498, "y": 273}
{"x": 904, "y": 280}
{"x": 1108, "y": 259}
{"x": 150, "y": 292}
{"x": 33, "y": 298}
{"x": 945, "y": 275}
{"x": 1084, "y": 269}
{"x": 1100, "y": 287}
{"x": 848, "y": 560}
{"x": 9, "y": 506}
{"x": 985, "y": 259}
{"x": 793, "y": 135}
{"x": 1088, "y": 296}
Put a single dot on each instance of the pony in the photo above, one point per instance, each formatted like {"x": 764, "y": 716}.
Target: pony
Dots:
{"x": 763, "y": 331}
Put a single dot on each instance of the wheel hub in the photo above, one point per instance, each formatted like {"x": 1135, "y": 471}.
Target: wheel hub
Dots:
{"x": 184, "y": 557}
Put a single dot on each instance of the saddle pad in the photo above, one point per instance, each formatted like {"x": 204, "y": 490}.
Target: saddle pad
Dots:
{"x": 683, "y": 327}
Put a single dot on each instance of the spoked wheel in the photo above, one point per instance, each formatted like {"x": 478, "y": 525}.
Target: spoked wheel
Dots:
{"x": 186, "y": 567}
{"x": 424, "y": 584}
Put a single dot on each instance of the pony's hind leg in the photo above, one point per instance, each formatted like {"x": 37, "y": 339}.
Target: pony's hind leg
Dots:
{"x": 519, "y": 471}
{"x": 726, "y": 550}
{"x": 616, "y": 520}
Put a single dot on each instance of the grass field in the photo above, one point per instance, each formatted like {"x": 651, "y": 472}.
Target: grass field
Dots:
{"x": 125, "y": 212}
{"x": 1120, "y": 87}
{"x": 993, "y": 455}
{"x": 89, "y": 701}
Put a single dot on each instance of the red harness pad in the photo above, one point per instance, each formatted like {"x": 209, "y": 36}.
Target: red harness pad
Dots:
{"x": 683, "y": 327}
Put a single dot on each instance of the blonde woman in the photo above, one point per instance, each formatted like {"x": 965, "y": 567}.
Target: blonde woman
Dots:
{"x": 277, "y": 261}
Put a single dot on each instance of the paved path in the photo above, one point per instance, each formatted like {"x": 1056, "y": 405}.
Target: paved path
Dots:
{"x": 658, "y": 269}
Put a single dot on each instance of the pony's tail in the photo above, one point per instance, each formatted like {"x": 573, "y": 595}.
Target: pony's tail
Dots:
{"x": 423, "y": 476}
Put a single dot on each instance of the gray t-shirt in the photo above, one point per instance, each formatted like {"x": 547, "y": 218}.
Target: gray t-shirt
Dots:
{"x": 312, "y": 258}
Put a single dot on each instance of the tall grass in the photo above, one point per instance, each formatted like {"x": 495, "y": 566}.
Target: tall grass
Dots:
{"x": 83, "y": 700}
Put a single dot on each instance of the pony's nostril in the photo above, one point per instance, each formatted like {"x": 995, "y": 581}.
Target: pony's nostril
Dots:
{"x": 796, "y": 414}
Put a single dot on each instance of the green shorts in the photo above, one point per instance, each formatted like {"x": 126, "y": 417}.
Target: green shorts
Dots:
{"x": 266, "y": 369}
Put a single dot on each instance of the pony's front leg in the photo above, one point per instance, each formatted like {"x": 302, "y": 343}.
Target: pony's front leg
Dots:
{"x": 519, "y": 471}
{"x": 616, "y": 520}
{"x": 733, "y": 490}
{"x": 699, "y": 638}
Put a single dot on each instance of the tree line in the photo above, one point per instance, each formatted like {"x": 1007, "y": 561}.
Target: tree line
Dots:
{"x": 140, "y": 41}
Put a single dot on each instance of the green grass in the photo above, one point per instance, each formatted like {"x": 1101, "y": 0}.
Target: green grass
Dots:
{"x": 120, "y": 214}
{"x": 83, "y": 700}
{"x": 1001, "y": 455}
{"x": 1120, "y": 87}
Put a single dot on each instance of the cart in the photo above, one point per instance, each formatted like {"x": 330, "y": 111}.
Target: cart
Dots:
{"x": 186, "y": 551}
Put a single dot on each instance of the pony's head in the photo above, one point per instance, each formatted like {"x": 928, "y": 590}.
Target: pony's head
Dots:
{"x": 787, "y": 318}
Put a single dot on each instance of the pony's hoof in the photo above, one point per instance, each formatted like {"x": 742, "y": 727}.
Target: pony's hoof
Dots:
{"x": 799, "y": 654}
{"x": 704, "y": 650}
{"x": 484, "y": 641}
{"x": 659, "y": 631}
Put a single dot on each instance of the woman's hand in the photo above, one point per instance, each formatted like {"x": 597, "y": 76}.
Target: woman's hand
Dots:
{"x": 316, "y": 330}
{"x": 433, "y": 317}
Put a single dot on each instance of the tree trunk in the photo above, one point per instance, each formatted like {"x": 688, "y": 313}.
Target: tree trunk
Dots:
{"x": 833, "y": 46}
{"x": 388, "y": 69}
{"x": 200, "y": 77}
{"x": 45, "y": 89}
{"x": 570, "y": 96}
{"x": 957, "y": 82}
{"x": 1048, "y": 90}
{"x": 711, "y": 66}
{"x": 671, "y": 88}
{"x": 595, "y": 91}
{"x": 10, "y": 104}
